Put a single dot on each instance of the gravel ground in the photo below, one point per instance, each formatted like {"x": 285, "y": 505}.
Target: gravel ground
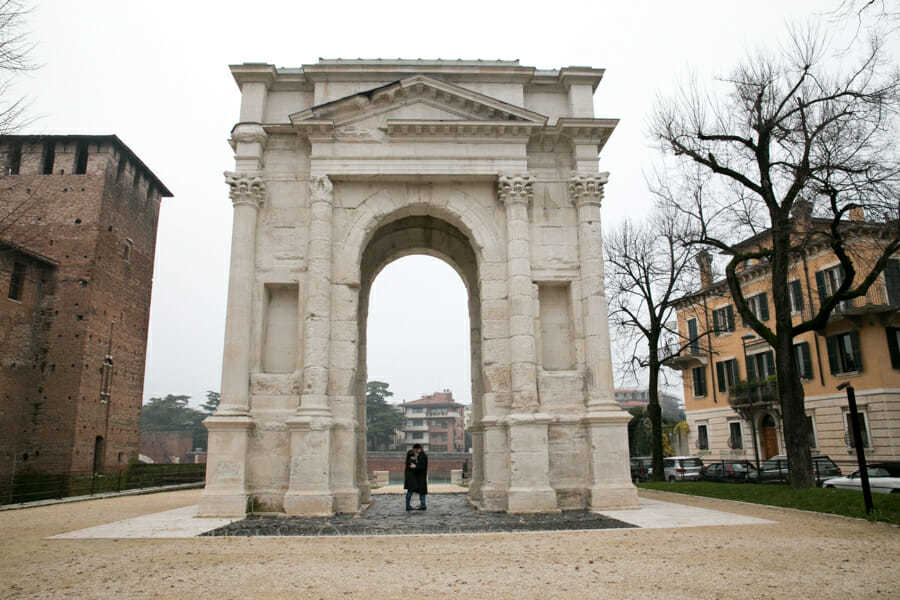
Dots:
{"x": 803, "y": 555}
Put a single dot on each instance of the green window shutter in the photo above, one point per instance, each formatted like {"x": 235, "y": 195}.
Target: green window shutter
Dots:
{"x": 892, "y": 281}
{"x": 820, "y": 285}
{"x": 715, "y": 319}
{"x": 696, "y": 377}
{"x": 857, "y": 351}
{"x": 807, "y": 360}
{"x": 893, "y": 348}
{"x": 720, "y": 376}
{"x": 832, "y": 344}
{"x": 751, "y": 369}
{"x": 692, "y": 336}
{"x": 763, "y": 307}
{"x": 770, "y": 363}
{"x": 729, "y": 314}
{"x": 731, "y": 371}
{"x": 796, "y": 296}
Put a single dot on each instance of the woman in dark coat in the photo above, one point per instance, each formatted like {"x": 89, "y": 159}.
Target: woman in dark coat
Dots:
{"x": 415, "y": 476}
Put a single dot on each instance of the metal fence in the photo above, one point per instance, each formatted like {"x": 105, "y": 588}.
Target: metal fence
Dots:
{"x": 29, "y": 487}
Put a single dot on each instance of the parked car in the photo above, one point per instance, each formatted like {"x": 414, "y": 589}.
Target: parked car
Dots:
{"x": 734, "y": 471}
{"x": 682, "y": 468}
{"x": 641, "y": 468}
{"x": 775, "y": 469}
{"x": 884, "y": 478}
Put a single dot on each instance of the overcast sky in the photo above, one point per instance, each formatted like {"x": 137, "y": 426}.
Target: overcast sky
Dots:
{"x": 156, "y": 74}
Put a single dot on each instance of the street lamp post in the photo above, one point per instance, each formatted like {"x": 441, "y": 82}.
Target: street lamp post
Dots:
{"x": 858, "y": 442}
{"x": 744, "y": 339}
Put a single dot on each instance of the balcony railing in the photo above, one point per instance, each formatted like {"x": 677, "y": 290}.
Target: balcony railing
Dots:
{"x": 876, "y": 300}
{"x": 751, "y": 394}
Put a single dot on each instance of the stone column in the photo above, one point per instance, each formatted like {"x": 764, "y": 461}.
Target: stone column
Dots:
{"x": 529, "y": 458}
{"x": 606, "y": 423}
{"x": 309, "y": 491}
{"x": 229, "y": 429}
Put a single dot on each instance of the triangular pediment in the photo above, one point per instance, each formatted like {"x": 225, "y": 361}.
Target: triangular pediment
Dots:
{"x": 417, "y": 98}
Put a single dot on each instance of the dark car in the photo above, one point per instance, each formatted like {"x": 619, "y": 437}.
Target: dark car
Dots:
{"x": 775, "y": 470}
{"x": 641, "y": 468}
{"x": 732, "y": 471}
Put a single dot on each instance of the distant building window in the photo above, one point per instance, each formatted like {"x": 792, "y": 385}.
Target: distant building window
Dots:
{"x": 735, "y": 435}
{"x": 699, "y": 374}
{"x": 828, "y": 281}
{"x": 796, "y": 296}
{"x": 893, "y": 341}
{"x": 417, "y": 422}
{"x": 723, "y": 320}
{"x": 726, "y": 374}
{"x": 16, "y": 281}
{"x": 803, "y": 360}
{"x": 81, "y": 158}
{"x": 693, "y": 336}
{"x": 863, "y": 429}
{"x": 48, "y": 157}
{"x": 760, "y": 365}
{"x": 702, "y": 436}
{"x": 759, "y": 306}
{"x": 844, "y": 354}
{"x": 14, "y": 159}
{"x": 417, "y": 435}
{"x": 892, "y": 281}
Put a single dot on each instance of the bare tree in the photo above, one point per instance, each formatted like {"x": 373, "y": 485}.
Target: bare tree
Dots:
{"x": 16, "y": 49}
{"x": 788, "y": 127}
{"x": 648, "y": 268}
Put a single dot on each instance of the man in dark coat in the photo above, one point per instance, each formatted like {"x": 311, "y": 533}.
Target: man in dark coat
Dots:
{"x": 416, "y": 476}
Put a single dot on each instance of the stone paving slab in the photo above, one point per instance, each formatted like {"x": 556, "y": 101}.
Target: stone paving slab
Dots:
{"x": 446, "y": 514}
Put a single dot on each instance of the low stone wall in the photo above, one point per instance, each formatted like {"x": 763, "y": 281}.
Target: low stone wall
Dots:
{"x": 440, "y": 464}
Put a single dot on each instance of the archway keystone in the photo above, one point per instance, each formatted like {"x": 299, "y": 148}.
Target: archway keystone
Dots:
{"x": 345, "y": 166}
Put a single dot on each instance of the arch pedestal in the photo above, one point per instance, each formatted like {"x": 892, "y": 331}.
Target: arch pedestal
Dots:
{"x": 325, "y": 197}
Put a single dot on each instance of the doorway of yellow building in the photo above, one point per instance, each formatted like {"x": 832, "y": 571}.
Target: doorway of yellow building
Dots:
{"x": 769, "y": 437}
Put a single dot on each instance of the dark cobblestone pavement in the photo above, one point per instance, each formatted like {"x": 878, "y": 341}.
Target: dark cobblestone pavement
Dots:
{"x": 447, "y": 513}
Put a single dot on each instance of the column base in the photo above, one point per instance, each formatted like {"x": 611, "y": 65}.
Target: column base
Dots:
{"x": 493, "y": 499}
{"x": 347, "y": 501}
{"x": 613, "y": 498}
{"x": 309, "y": 504}
{"x": 532, "y": 500}
{"x": 223, "y": 505}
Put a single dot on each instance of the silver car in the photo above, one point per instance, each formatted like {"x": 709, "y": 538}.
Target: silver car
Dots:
{"x": 883, "y": 479}
{"x": 682, "y": 468}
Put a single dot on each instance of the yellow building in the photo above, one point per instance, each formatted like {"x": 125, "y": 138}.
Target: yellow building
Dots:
{"x": 729, "y": 387}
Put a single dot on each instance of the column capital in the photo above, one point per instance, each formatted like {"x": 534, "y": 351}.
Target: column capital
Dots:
{"x": 321, "y": 189}
{"x": 515, "y": 188}
{"x": 246, "y": 188}
{"x": 249, "y": 133}
{"x": 587, "y": 189}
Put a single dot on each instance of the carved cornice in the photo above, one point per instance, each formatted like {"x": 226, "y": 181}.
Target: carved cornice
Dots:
{"x": 587, "y": 190}
{"x": 248, "y": 133}
{"x": 515, "y": 189}
{"x": 246, "y": 188}
{"x": 321, "y": 189}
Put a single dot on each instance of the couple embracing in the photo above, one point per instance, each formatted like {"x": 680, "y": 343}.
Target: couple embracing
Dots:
{"x": 415, "y": 476}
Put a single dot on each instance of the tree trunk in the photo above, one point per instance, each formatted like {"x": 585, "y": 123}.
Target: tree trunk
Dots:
{"x": 655, "y": 413}
{"x": 789, "y": 386}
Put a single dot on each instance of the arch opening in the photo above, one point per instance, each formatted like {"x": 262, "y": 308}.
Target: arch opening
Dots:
{"x": 430, "y": 236}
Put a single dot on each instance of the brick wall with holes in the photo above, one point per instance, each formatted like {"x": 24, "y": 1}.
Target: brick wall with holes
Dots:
{"x": 100, "y": 227}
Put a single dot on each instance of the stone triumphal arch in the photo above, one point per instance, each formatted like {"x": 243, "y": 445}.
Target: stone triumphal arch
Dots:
{"x": 346, "y": 165}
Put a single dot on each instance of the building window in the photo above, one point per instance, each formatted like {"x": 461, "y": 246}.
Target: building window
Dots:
{"x": 14, "y": 159}
{"x": 702, "y": 436}
{"x": 726, "y": 374}
{"x": 760, "y": 366}
{"x": 723, "y": 320}
{"x": 844, "y": 355}
{"x": 417, "y": 435}
{"x": 16, "y": 281}
{"x": 759, "y": 306}
{"x": 863, "y": 429}
{"x": 893, "y": 341}
{"x": 796, "y": 296}
{"x": 813, "y": 439}
{"x": 699, "y": 381}
{"x": 418, "y": 422}
{"x": 48, "y": 158}
{"x": 802, "y": 360}
{"x": 828, "y": 281}
{"x": 892, "y": 281}
{"x": 693, "y": 336}
{"x": 735, "y": 437}
{"x": 81, "y": 158}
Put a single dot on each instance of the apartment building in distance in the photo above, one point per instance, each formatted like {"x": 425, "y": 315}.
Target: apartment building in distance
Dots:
{"x": 436, "y": 421}
{"x": 78, "y": 219}
{"x": 729, "y": 385}
{"x": 640, "y": 398}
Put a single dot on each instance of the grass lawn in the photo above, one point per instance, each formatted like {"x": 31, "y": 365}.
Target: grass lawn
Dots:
{"x": 839, "y": 502}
